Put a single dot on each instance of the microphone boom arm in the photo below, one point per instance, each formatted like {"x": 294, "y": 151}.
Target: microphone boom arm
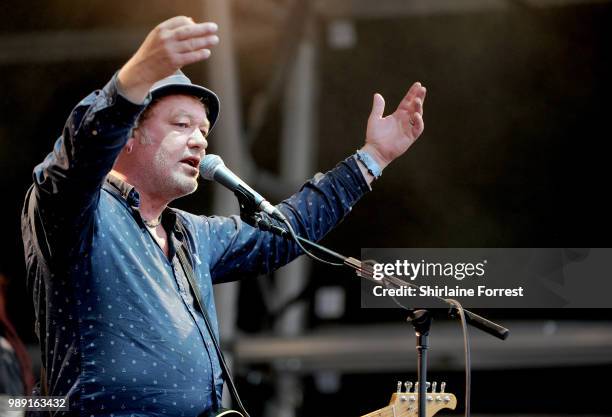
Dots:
{"x": 360, "y": 267}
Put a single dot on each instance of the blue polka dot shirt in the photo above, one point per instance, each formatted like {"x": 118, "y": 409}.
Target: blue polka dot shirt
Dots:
{"x": 119, "y": 332}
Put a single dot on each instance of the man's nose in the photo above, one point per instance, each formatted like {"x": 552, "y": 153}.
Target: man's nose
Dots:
{"x": 197, "y": 139}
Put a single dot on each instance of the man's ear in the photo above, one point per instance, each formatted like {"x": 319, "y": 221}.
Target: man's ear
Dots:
{"x": 129, "y": 145}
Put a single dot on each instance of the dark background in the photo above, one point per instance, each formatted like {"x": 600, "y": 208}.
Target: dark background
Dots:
{"x": 516, "y": 153}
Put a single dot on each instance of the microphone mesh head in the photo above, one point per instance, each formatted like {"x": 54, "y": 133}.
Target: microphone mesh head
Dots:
{"x": 209, "y": 166}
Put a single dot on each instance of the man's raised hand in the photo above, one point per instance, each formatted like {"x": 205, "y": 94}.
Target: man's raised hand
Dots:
{"x": 171, "y": 45}
{"x": 391, "y": 136}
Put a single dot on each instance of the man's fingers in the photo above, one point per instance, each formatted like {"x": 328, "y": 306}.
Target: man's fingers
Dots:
{"x": 422, "y": 93}
{"x": 416, "y": 124}
{"x": 193, "y": 57}
{"x": 188, "y": 41}
{"x": 194, "y": 44}
{"x": 414, "y": 98}
{"x": 415, "y": 105}
{"x": 416, "y": 90}
{"x": 378, "y": 107}
{"x": 195, "y": 30}
{"x": 411, "y": 91}
{"x": 175, "y": 22}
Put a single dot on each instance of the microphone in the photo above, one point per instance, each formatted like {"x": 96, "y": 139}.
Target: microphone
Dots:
{"x": 212, "y": 168}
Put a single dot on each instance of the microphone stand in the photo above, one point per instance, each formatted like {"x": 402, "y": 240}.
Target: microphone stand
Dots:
{"x": 421, "y": 319}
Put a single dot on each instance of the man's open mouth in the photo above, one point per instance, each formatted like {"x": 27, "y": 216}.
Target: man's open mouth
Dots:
{"x": 194, "y": 162}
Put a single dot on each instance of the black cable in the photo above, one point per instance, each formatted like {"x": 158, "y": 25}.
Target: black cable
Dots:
{"x": 394, "y": 297}
{"x": 296, "y": 239}
{"x": 468, "y": 360}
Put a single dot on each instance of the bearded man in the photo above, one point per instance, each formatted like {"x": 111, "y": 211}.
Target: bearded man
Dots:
{"x": 118, "y": 320}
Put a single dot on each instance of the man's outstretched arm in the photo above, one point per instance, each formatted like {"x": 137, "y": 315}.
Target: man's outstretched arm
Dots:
{"x": 323, "y": 201}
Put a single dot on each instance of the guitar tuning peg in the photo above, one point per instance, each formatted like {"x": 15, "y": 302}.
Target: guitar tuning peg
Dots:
{"x": 427, "y": 385}
{"x": 399, "y": 386}
{"x": 434, "y": 385}
{"x": 416, "y": 387}
{"x": 408, "y": 385}
{"x": 442, "y": 386}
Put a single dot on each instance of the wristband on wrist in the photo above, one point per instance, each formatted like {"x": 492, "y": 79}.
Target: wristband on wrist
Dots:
{"x": 369, "y": 163}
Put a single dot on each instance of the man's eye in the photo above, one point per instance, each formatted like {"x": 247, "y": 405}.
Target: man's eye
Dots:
{"x": 182, "y": 125}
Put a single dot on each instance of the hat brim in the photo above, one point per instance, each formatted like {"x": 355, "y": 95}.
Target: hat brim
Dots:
{"x": 209, "y": 98}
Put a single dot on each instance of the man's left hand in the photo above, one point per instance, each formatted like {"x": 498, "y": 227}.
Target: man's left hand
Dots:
{"x": 391, "y": 136}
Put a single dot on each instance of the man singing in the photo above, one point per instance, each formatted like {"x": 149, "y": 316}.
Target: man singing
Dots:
{"x": 120, "y": 327}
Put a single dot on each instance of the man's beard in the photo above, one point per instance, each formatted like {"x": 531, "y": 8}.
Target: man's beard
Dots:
{"x": 179, "y": 184}
{"x": 176, "y": 184}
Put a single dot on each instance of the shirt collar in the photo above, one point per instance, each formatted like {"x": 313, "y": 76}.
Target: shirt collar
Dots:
{"x": 128, "y": 193}
{"x": 123, "y": 189}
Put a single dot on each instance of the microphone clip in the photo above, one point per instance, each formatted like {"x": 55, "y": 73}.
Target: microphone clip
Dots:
{"x": 246, "y": 202}
{"x": 263, "y": 222}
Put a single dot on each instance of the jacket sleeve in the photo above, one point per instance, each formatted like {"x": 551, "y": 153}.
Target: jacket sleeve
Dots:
{"x": 66, "y": 189}
{"x": 237, "y": 249}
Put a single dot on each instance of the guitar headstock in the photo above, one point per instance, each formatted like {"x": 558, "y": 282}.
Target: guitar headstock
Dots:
{"x": 406, "y": 401}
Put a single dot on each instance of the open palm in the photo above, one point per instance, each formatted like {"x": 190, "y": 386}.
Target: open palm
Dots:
{"x": 389, "y": 137}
